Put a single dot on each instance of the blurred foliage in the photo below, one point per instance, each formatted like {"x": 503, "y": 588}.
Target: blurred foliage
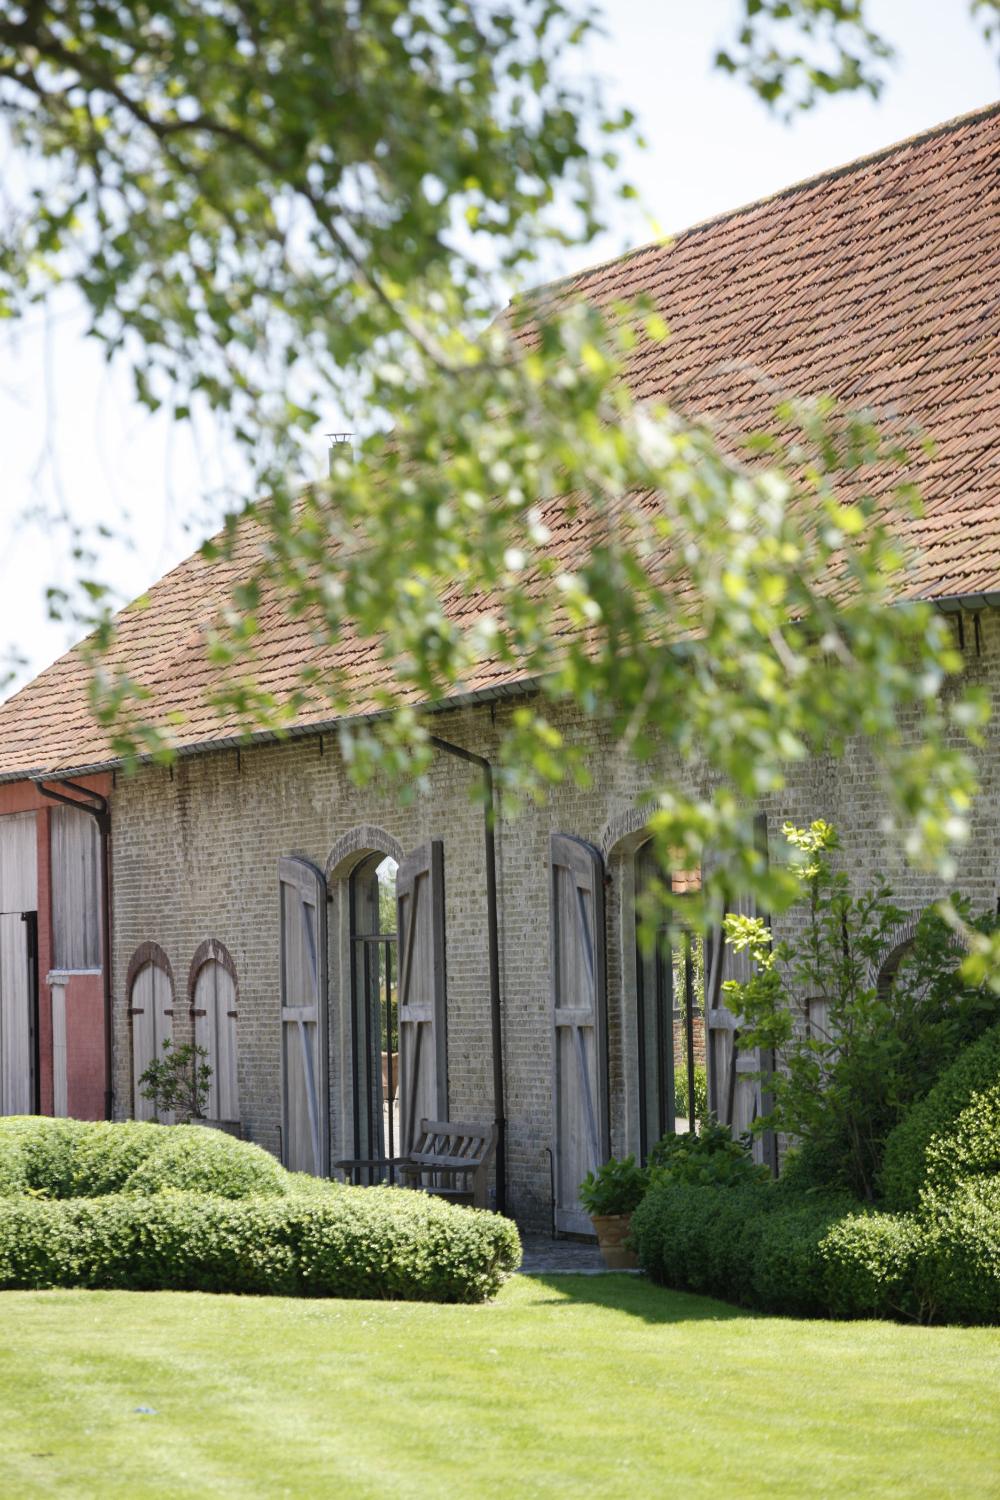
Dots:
{"x": 273, "y": 211}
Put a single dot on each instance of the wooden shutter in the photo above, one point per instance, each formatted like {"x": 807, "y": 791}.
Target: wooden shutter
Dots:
{"x": 736, "y": 1095}
{"x": 305, "y": 1136}
{"x": 214, "y": 1006}
{"x": 151, "y": 1007}
{"x": 76, "y": 885}
{"x": 423, "y": 1040}
{"x": 579, "y": 1018}
{"x": 17, "y": 1040}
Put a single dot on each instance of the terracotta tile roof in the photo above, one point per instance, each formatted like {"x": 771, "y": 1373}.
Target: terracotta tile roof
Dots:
{"x": 878, "y": 282}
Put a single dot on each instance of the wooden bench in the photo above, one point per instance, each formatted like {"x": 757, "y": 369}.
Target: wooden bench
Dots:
{"x": 448, "y": 1158}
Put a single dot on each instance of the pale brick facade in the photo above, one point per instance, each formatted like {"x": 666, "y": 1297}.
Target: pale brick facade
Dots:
{"x": 196, "y": 849}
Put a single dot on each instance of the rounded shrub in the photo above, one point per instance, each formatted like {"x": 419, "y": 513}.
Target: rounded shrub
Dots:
{"x": 357, "y": 1242}
{"x": 958, "y": 1272}
{"x": 143, "y": 1206}
{"x": 869, "y": 1262}
{"x": 905, "y": 1165}
{"x": 91, "y": 1159}
{"x": 196, "y": 1160}
{"x": 970, "y": 1148}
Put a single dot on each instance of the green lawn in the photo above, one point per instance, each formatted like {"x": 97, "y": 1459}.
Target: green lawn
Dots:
{"x": 571, "y": 1385}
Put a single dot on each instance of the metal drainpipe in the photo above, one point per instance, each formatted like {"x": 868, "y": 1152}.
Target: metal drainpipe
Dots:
{"x": 100, "y": 812}
{"x": 493, "y": 937}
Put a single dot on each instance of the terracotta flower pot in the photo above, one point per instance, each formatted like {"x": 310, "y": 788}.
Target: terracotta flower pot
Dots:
{"x": 611, "y": 1231}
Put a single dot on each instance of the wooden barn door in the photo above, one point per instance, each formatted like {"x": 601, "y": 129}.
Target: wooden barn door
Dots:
{"x": 423, "y": 1041}
{"x": 151, "y": 1008}
{"x": 579, "y": 1019}
{"x": 736, "y": 1094}
{"x": 305, "y": 1136}
{"x": 214, "y": 1011}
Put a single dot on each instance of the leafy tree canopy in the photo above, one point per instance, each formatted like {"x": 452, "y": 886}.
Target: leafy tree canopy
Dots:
{"x": 275, "y": 208}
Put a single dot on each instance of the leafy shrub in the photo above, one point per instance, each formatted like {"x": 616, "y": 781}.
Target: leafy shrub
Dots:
{"x": 615, "y": 1188}
{"x": 762, "y": 1248}
{"x": 958, "y": 1273}
{"x": 193, "y": 1159}
{"x": 869, "y": 1266}
{"x": 355, "y": 1242}
{"x": 699, "y": 1239}
{"x": 930, "y": 1124}
{"x": 843, "y": 1089}
{"x": 179, "y": 1081}
{"x": 710, "y": 1157}
{"x": 700, "y": 1091}
{"x": 85, "y": 1159}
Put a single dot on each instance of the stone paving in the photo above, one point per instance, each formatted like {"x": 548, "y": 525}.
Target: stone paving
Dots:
{"x": 544, "y": 1256}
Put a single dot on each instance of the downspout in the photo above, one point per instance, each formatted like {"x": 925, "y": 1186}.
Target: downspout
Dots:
{"x": 100, "y": 812}
{"x": 493, "y": 939}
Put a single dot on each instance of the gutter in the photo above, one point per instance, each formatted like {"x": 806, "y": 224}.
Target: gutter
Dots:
{"x": 493, "y": 940}
{"x": 99, "y": 810}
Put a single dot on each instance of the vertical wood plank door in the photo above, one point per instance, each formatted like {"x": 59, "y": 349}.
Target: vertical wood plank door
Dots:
{"x": 214, "y": 1004}
{"x": 736, "y": 1094}
{"x": 151, "y": 1009}
{"x": 305, "y": 1133}
{"x": 76, "y": 886}
{"x": 423, "y": 1042}
{"x": 17, "y": 1041}
{"x": 579, "y": 1020}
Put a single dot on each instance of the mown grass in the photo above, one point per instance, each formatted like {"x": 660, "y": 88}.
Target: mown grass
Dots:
{"x": 569, "y": 1385}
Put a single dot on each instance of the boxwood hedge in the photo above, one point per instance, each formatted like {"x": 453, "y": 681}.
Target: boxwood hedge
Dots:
{"x": 142, "y": 1207}
{"x": 905, "y": 1166}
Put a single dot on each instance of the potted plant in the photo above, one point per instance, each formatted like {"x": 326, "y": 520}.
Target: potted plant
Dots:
{"x": 609, "y": 1195}
{"x": 178, "y": 1084}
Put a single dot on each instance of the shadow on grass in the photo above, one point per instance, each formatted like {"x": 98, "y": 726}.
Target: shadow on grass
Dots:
{"x": 635, "y": 1295}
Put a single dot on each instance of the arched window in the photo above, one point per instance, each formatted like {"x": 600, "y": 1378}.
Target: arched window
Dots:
{"x": 150, "y": 986}
{"x": 375, "y": 1022}
{"x": 214, "y": 998}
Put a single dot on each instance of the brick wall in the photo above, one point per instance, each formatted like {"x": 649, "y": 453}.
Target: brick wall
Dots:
{"x": 195, "y": 857}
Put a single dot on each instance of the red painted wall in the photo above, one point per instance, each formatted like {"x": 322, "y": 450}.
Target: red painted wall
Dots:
{"x": 84, "y": 992}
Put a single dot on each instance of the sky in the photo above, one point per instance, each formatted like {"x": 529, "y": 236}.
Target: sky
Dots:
{"x": 73, "y": 443}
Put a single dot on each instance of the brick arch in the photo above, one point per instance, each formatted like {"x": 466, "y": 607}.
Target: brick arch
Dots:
{"x": 148, "y": 953}
{"x": 364, "y": 839}
{"x": 211, "y": 951}
{"x": 623, "y": 833}
{"x": 899, "y": 941}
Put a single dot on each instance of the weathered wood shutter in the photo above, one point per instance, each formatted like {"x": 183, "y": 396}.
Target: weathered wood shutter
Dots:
{"x": 736, "y": 1095}
{"x": 18, "y": 894}
{"x": 305, "y": 1136}
{"x": 17, "y": 1039}
{"x": 76, "y": 885}
{"x": 151, "y": 1008}
{"x": 423, "y": 1038}
{"x": 579, "y": 1018}
{"x": 215, "y": 1018}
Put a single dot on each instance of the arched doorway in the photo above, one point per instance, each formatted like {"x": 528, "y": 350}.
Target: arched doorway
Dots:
{"x": 374, "y": 1007}
{"x": 666, "y": 1006}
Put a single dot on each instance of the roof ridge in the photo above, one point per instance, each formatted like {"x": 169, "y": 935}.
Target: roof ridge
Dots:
{"x": 828, "y": 174}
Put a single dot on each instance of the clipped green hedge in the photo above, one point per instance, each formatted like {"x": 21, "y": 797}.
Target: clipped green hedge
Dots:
{"x": 139, "y": 1206}
{"x": 905, "y": 1166}
{"x": 86, "y": 1159}
{"x": 358, "y": 1242}
{"x": 782, "y": 1253}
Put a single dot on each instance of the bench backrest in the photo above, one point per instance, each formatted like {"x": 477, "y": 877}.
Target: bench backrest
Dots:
{"x": 454, "y": 1141}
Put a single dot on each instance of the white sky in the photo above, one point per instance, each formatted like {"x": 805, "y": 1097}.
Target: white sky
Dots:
{"x": 71, "y": 439}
